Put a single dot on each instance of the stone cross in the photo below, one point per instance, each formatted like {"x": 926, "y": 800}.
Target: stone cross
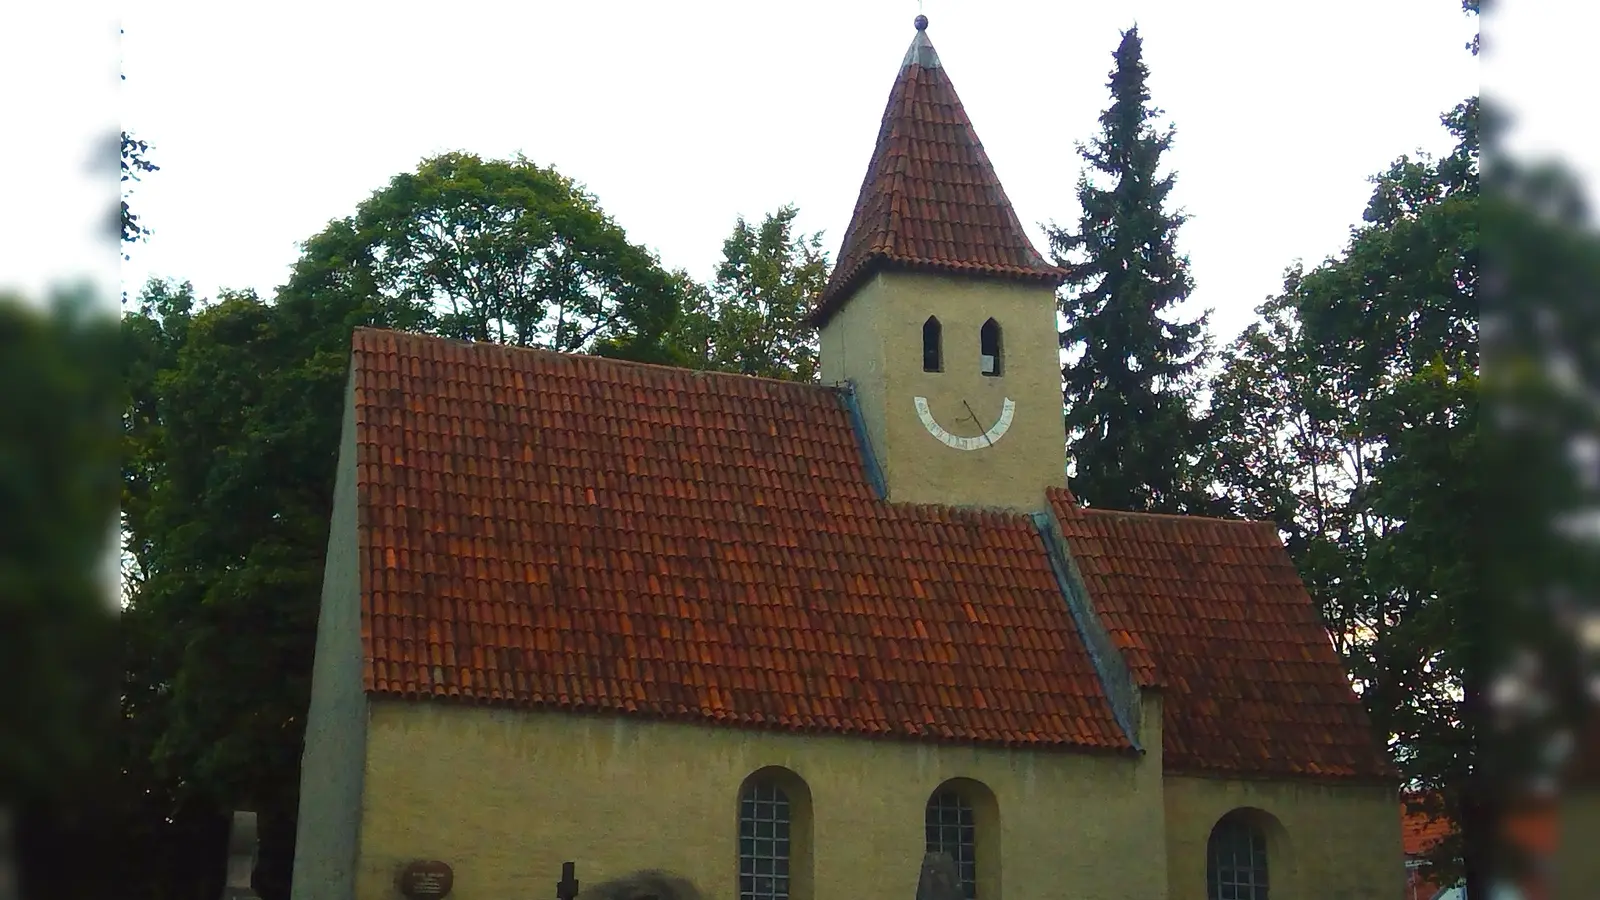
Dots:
{"x": 939, "y": 880}
{"x": 567, "y": 887}
{"x": 241, "y": 858}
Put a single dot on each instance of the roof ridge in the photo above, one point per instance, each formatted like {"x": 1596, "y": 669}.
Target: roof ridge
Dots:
{"x": 621, "y": 363}
{"x": 1186, "y": 517}
{"x": 894, "y": 215}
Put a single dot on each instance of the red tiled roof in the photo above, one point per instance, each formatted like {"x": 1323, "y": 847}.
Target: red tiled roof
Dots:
{"x": 1531, "y": 826}
{"x": 1420, "y": 830}
{"x": 553, "y": 531}
{"x": 931, "y": 199}
{"x": 1216, "y": 611}
{"x": 1418, "y": 834}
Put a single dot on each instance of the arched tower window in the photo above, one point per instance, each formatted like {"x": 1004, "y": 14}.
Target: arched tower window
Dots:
{"x": 990, "y": 348}
{"x": 963, "y": 821}
{"x": 774, "y": 837}
{"x": 1236, "y": 860}
{"x": 932, "y": 345}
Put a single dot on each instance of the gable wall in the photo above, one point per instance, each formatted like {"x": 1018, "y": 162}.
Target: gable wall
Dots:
{"x": 1337, "y": 842}
{"x": 332, "y": 762}
{"x": 506, "y": 796}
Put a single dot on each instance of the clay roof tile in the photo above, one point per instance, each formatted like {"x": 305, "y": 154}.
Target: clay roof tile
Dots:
{"x": 656, "y": 544}
{"x": 1253, "y": 684}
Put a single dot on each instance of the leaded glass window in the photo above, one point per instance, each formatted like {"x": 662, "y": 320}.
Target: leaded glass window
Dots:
{"x": 1236, "y": 862}
{"x": 764, "y": 823}
{"x": 952, "y": 830}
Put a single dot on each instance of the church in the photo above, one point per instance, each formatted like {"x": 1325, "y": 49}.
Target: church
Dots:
{"x": 783, "y": 639}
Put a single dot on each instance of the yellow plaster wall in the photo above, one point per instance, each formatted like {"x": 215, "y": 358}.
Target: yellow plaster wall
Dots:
{"x": 876, "y": 341}
{"x": 1336, "y": 842}
{"x": 505, "y": 796}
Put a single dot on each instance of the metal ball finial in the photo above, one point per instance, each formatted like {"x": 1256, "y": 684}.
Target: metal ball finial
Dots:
{"x": 922, "y": 23}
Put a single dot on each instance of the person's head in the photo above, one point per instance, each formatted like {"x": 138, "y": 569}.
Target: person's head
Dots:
{"x": 651, "y": 884}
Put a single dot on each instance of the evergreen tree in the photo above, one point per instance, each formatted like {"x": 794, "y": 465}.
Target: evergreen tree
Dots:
{"x": 1130, "y": 387}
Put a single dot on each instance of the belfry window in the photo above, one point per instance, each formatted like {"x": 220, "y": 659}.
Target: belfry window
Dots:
{"x": 932, "y": 346}
{"x": 990, "y": 349}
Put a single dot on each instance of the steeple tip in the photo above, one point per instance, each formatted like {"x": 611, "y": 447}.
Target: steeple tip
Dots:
{"x": 921, "y": 52}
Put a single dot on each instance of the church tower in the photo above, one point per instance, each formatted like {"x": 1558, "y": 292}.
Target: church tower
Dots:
{"x": 941, "y": 313}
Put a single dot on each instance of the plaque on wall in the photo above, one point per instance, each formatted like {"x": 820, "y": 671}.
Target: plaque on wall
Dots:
{"x": 425, "y": 879}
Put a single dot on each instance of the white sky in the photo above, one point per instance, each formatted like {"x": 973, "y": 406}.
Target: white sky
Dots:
{"x": 268, "y": 120}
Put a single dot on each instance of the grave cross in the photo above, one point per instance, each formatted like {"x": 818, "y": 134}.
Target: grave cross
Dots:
{"x": 567, "y": 887}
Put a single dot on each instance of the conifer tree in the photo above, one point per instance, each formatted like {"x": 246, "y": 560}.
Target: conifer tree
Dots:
{"x": 1130, "y": 386}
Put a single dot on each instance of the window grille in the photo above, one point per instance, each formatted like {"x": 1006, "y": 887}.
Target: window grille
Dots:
{"x": 1236, "y": 862}
{"x": 764, "y": 823}
{"x": 952, "y": 830}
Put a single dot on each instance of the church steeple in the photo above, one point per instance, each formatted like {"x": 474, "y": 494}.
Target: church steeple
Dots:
{"x": 941, "y": 315}
{"x": 931, "y": 200}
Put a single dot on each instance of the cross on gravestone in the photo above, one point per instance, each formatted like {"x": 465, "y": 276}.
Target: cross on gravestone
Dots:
{"x": 241, "y": 858}
{"x": 940, "y": 880}
{"x": 567, "y": 887}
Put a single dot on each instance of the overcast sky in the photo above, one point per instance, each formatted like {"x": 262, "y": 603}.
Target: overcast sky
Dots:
{"x": 268, "y": 120}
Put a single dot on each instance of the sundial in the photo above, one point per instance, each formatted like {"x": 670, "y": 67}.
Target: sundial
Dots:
{"x": 996, "y": 431}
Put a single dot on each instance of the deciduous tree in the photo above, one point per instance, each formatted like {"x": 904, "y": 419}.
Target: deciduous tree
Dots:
{"x": 751, "y": 320}
{"x": 507, "y": 251}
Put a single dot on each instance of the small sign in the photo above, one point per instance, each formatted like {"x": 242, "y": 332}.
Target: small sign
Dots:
{"x": 425, "y": 879}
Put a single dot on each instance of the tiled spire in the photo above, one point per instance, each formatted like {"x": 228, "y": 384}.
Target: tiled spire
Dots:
{"x": 931, "y": 200}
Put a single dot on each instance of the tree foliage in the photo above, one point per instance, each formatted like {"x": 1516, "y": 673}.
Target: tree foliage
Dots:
{"x": 752, "y": 318}
{"x": 58, "y": 489}
{"x": 1132, "y": 434}
{"x": 231, "y": 427}
{"x": 1348, "y": 415}
{"x": 510, "y": 252}
{"x": 58, "y": 483}
{"x": 1535, "y": 702}
{"x": 135, "y": 163}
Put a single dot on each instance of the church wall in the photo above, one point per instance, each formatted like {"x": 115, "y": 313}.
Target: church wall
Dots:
{"x": 332, "y": 763}
{"x": 851, "y": 349}
{"x": 876, "y": 340}
{"x": 1338, "y": 842}
{"x": 506, "y": 796}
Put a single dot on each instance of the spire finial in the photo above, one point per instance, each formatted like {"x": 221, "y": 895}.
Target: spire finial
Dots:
{"x": 921, "y": 22}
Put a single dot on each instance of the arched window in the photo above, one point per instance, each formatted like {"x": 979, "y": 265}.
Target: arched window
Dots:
{"x": 932, "y": 346}
{"x": 952, "y": 829}
{"x": 990, "y": 348}
{"x": 1236, "y": 860}
{"x": 774, "y": 837}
